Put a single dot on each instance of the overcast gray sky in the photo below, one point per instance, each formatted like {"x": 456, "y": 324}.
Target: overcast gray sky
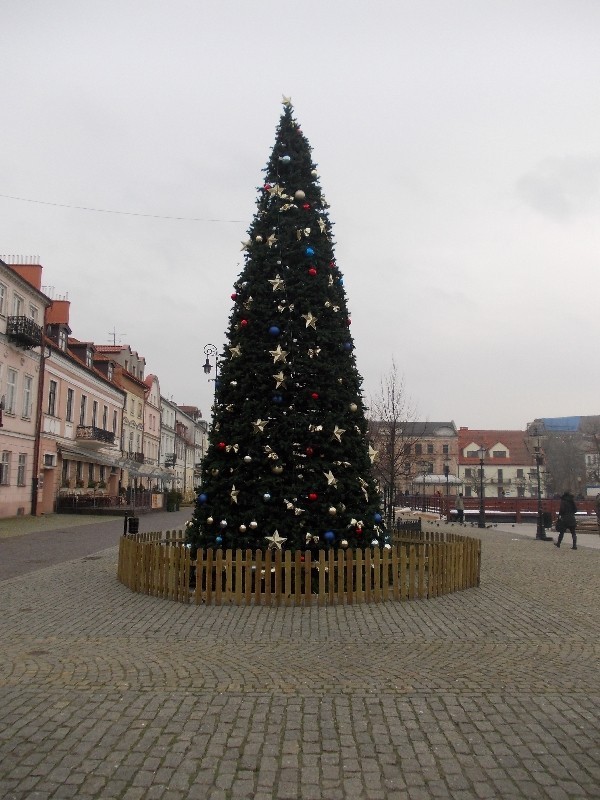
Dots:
{"x": 458, "y": 145}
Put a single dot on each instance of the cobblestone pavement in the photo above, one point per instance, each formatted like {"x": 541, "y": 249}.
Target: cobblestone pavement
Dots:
{"x": 488, "y": 693}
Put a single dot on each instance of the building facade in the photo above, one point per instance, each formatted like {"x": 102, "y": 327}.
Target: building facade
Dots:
{"x": 22, "y": 311}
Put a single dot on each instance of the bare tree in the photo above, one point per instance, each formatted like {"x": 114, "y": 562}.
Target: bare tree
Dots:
{"x": 392, "y": 435}
{"x": 565, "y": 464}
{"x": 590, "y": 428}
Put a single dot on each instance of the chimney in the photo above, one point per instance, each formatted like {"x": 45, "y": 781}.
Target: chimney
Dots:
{"x": 58, "y": 313}
{"x": 32, "y": 273}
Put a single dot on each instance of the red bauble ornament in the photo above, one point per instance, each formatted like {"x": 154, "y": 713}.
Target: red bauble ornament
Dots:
{"x": 221, "y": 445}
{"x": 309, "y": 451}
{"x": 359, "y": 531}
{"x": 267, "y": 186}
{"x": 244, "y": 323}
{"x": 312, "y": 271}
{"x": 313, "y": 496}
{"x": 332, "y": 265}
{"x": 315, "y": 395}
{"x": 234, "y": 296}
{"x": 306, "y": 206}
{"x": 348, "y": 321}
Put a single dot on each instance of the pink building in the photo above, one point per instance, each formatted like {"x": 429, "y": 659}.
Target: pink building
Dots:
{"x": 22, "y": 308}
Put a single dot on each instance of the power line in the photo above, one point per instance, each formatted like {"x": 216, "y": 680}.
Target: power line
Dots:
{"x": 112, "y": 211}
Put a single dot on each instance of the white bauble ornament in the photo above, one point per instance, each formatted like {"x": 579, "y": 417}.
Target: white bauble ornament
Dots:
{"x": 254, "y": 525}
{"x": 332, "y": 511}
{"x": 223, "y": 523}
{"x": 209, "y": 520}
{"x": 258, "y": 238}
{"x": 247, "y": 459}
{"x": 374, "y": 543}
{"x": 353, "y": 407}
{"x": 344, "y": 543}
{"x": 242, "y": 529}
{"x": 299, "y": 195}
{"x": 266, "y": 497}
{"x": 314, "y": 173}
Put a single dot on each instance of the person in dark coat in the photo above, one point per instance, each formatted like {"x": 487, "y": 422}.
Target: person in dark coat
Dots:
{"x": 566, "y": 519}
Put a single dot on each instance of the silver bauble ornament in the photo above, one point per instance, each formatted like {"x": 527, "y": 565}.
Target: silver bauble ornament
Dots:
{"x": 353, "y": 407}
{"x": 233, "y": 383}
{"x": 254, "y": 525}
{"x": 299, "y": 195}
{"x": 332, "y": 511}
{"x": 223, "y": 523}
{"x": 277, "y": 470}
{"x": 344, "y": 543}
{"x": 209, "y": 520}
{"x": 242, "y": 529}
{"x": 314, "y": 173}
{"x": 258, "y": 238}
{"x": 247, "y": 459}
{"x": 285, "y": 159}
{"x": 387, "y": 546}
{"x": 374, "y": 543}
{"x": 266, "y": 496}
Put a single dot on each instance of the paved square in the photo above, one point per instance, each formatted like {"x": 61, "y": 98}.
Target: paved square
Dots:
{"x": 488, "y": 693}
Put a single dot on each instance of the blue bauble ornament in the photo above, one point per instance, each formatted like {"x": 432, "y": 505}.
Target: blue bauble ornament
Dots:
{"x": 377, "y": 518}
{"x": 309, "y": 252}
{"x": 329, "y": 536}
{"x": 274, "y": 330}
{"x": 348, "y": 346}
{"x": 277, "y": 399}
{"x": 285, "y": 159}
{"x": 219, "y": 539}
{"x": 202, "y": 498}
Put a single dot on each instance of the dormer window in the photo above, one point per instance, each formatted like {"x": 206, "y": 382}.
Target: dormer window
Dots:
{"x": 62, "y": 339}
{"x": 109, "y": 372}
{"x": 89, "y": 361}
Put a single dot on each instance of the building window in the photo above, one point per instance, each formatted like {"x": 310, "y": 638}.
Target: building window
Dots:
{"x": 2, "y": 299}
{"x": 499, "y": 453}
{"x": 27, "y": 395}
{"x": 18, "y": 304}
{"x": 89, "y": 360}
{"x": 11, "y": 390}
{"x": 65, "y": 473}
{"x": 520, "y": 473}
{"x": 33, "y": 313}
{"x": 139, "y": 410}
{"x": 105, "y": 418}
{"x": 446, "y": 449}
{"x": 472, "y": 454}
{"x": 102, "y": 473}
{"x": 62, "y": 339}
{"x": 418, "y": 449}
{"x": 22, "y": 463}
{"x": 110, "y": 372}
{"x": 468, "y": 491}
{"x": 82, "y": 409}
{"x": 429, "y": 449}
{"x": 70, "y": 398}
{"x": 95, "y": 414}
{"x": 5, "y": 468}
{"x": 132, "y": 407}
{"x": 90, "y": 473}
{"x": 79, "y": 471}
{"x": 468, "y": 472}
{"x": 500, "y": 476}
{"x": 115, "y": 421}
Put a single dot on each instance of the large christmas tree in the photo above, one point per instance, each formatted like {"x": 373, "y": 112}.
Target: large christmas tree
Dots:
{"x": 288, "y": 463}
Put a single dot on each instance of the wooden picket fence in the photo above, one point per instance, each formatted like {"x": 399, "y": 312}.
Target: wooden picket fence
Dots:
{"x": 417, "y": 566}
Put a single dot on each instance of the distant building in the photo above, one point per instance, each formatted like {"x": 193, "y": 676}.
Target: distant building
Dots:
{"x": 509, "y": 464}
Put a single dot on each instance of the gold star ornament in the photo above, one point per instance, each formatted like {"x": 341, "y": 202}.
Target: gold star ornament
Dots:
{"x": 275, "y": 541}
{"x": 278, "y": 354}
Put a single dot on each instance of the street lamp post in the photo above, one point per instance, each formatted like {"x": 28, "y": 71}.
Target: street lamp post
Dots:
{"x": 447, "y": 474}
{"x": 481, "y": 453}
{"x": 211, "y": 350}
{"x": 539, "y": 460}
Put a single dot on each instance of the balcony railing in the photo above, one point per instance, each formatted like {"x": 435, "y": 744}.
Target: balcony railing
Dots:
{"x": 90, "y": 433}
{"x": 139, "y": 457}
{"x": 24, "y": 332}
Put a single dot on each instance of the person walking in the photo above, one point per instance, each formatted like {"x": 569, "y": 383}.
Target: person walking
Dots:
{"x": 566, "y": 519}
{"x": 460, "y": 508}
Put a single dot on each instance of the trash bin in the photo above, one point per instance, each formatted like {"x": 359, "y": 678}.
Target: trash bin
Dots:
{"x": 134, "y": 524}
{"x": 547, "y": 519}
